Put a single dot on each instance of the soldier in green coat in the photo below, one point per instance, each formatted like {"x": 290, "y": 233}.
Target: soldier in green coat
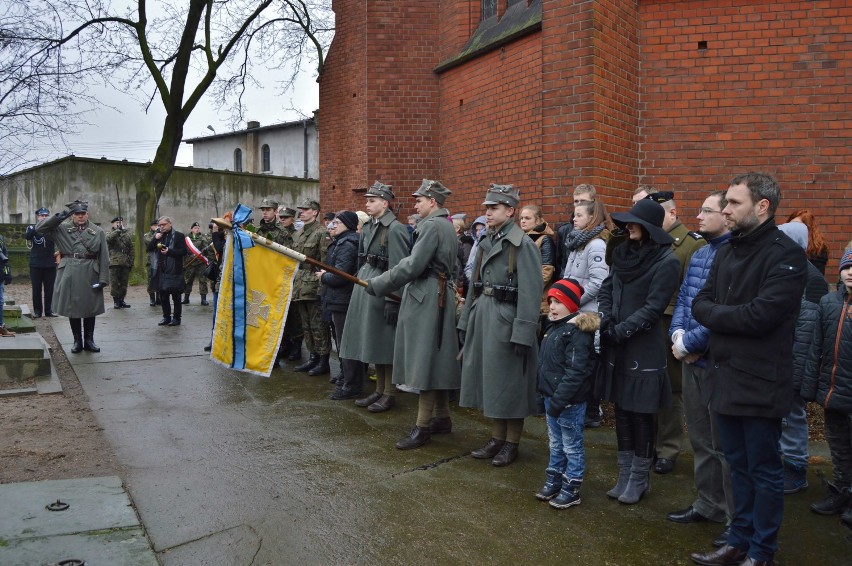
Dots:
{"x": 425, "y": 343}
{"x": 306, "y": 290}
{"x": 371, "y": 321}
{"x": 499, "y": 327}
{"x": 83, "y": 270}
{"x": 669, "y": 441}
{"x": 193, "y": 268}
{"x": 121, "y": 249}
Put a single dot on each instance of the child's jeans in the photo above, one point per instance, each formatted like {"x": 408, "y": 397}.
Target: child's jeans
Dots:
{"x": 567, "y": 452}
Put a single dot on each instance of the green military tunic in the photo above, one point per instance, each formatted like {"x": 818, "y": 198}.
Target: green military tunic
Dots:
{"x": 73, "y": 295}
{"x": 494, "y": 378}
{"x": 121, "y": 249}
{"x": 193, "y": 268}
{"x": 417, "y": 359}
{"x": 308, "y": 241}
{"x": 366, "y": 335}
{"x": 274, "y": 232}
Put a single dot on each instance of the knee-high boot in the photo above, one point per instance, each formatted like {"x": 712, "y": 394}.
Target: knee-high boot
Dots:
{"x": 77, "y": 331}
{"x": 89, "y": 335}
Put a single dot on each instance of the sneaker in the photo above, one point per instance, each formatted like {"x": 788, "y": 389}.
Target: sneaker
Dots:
{"x": 565, "y": 499}
{"x": 795, "y": 478}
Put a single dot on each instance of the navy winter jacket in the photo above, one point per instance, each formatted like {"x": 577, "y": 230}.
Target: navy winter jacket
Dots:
{"x": 828, "y": 372}
{"x": 696, "y": 336}
{"x": 566, "y": 360}
{"x": 342, "y": 253}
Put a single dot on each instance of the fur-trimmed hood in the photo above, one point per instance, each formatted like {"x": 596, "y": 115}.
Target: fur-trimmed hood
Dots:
{"x": 587, "y": 321}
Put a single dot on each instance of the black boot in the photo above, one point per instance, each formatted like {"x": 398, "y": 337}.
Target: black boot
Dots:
{"x": 123, "y": 304}
{"x": 185, "y": 300}
{"x": 322, "y": 367}
{"x": 204, "y": 302}
{"x": 295, "y": 350}
{"x": 77, "y": 331}
{"x": 153, "y": 297}
{"x": 116, "y": 303}
{"x": 415, "y": 439}
{"x": 313, "y": 360}
{"x": 89, "y": 335}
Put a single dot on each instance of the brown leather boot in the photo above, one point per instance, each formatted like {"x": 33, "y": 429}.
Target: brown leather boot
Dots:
{"x": 491, "y": 449}
{"x": 418, "y": 436}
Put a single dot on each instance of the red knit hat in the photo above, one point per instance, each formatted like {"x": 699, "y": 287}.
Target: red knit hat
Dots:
{"x": 568, "y": 292}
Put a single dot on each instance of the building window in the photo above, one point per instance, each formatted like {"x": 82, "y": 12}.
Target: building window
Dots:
{"x": 238, "y": 160}
{"x": 489, "y": 8}
{"x": 264, "y": 157}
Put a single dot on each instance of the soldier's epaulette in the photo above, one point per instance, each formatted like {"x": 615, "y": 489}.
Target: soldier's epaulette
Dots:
{"x": 695, "y": 235}
{"x": 90, "y": 231}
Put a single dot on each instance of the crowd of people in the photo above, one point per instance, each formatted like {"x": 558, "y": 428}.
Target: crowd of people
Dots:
{"x": 730, "y": 328}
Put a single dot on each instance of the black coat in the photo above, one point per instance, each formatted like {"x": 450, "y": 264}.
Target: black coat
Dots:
{"x": 342, "y": 253}
{"x": 636, "y": 359}
{"x": 750, "y": 303}
{"x": 828, "y": 372}
{"x": 169, "y": 267}
{"x": 566, "y": 360}
{"x": 806, "y": 324}
{"x": 41, "y": 254}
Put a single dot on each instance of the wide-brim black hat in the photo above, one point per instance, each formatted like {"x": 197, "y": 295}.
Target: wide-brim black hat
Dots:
{"x": 647, "y": 214}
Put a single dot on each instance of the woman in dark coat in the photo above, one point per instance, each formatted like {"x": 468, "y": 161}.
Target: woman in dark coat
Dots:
{"x": 643, "y": 277}
{"x": 170, "y": 246}
{"x": 342, "y": 253}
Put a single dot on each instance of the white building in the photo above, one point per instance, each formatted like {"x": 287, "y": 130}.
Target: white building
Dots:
{"x": 290, "y": 149}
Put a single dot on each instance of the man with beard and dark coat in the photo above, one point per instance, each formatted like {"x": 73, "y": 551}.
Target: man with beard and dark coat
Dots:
{"x": 750, "y": 303}
{"x": 425, "y": 345}
{"x": 342, "y": 254}
{"x": 83, "y": 270}
{"x": 170, "y": 246}
{"x": 42, "y": 268}
{"x": 369, "y": 335}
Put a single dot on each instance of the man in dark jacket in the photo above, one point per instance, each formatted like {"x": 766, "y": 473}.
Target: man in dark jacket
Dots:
{"x": 42, "y": 268}
{"x": 750, "y": 303}
{"x": 170, "y": 246}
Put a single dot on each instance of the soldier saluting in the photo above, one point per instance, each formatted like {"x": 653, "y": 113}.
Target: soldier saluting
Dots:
{"x": 425, "y": 346}
{"x": 371, "y": 321}
{"x": 83, "y": 270}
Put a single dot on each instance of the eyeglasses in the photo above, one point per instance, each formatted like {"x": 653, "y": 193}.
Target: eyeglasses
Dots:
{"x": 164, "y": 224}
{"x": 708, "y": 211}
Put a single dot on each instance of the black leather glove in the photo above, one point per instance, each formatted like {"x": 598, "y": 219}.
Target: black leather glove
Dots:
{"x": 554, "y": 410}
{"x": 63, "y": 215}
{"x": 521, "y": 350}
{"x": 370, "y": 290}
{"x": 391, "y": 313}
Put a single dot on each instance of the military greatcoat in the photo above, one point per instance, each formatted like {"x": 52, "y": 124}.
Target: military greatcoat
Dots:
{"x": 494, "y": 377}
{"x": 417, "y": 359}
{"x": 367, "y": 336}
{"x": 73, "y": 295}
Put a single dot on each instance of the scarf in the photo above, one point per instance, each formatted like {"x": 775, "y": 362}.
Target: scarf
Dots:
{"x": 630, "y": 260}
{"x": 579, "y": 238}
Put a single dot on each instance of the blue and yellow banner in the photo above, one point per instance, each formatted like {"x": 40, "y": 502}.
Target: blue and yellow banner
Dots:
{"x": 254, "y": 297}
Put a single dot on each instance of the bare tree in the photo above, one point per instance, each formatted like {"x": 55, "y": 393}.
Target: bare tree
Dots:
{"x": 176, "y": 52}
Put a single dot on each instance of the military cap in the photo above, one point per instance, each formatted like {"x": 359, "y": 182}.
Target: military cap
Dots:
{"x": 117, "y": 219}
{"x": 269, "y": 202}
{"x": 78, "y": 206}
{"x": 309, "y": 203}
{"x": 286, "y": 211}
{"x": 380, "y": 190}
{"x": 502, "y": 194}
{"x": 154, "y": 222}
{"x": 328, "y": 216}
{"x": 433, "y": 189}
{"x": 42, "y": 211}
{"x": 661, "y": 196}
{"x": 194, "y": 224}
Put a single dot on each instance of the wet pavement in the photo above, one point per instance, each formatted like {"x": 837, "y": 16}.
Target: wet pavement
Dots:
{"x": 227, "y": 468}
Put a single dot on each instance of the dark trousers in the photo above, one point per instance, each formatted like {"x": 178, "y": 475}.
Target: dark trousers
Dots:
{"x": 353, "y": 370}
{"x": 167, "y": 307}
{"x": 757, "y": 481}
{"x": 838, "y": 433}
{"x": 42, "y": 279}
{"x": 634, "y": 432}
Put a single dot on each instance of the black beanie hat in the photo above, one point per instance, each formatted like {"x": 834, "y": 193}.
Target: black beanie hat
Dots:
{"x": 349, "y": 219}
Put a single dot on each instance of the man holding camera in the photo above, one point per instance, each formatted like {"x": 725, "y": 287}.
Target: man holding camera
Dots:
{"x": 120, "y": 244}
{"x": 170, "y": 246}
{"x": 83, "y": 270}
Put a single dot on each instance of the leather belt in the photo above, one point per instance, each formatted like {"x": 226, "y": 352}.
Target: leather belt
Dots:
{"x": 80, "y": 256}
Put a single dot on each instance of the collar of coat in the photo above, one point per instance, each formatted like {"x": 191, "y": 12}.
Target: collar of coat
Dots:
{"x": 512, "y": 232}
{"x": 387, "y": 218}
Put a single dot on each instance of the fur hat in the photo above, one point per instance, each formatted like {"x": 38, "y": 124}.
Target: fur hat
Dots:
{"x": 568, "y": 292}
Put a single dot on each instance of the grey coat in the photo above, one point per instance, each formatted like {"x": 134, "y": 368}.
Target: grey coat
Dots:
{"x": 417, "y": 359}
{"x": 73, "y": 295}
{"x": 366, "y": 335}
{"x": 588, "y": 266}
{"x": 495, "y": 378}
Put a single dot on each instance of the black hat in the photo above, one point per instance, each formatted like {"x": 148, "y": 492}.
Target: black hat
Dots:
{"x": 649, "y": 215}
{"x": 661, "y": 196}
{"x": 433, "y": 189}
{"x": 77, "y": 206}
{"x": 154, "y": 222}
{"x": 42, "y": 211}
{"x": 117, "y": 219}
{"x": 380, "y": 190}
{"x": 349, "y": 219}
{"x": 328, "y": 216}
{"x": 194, "y": 224}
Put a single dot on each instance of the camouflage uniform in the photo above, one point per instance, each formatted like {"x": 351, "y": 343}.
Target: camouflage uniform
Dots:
{"x": 194, "y": 267}
{"x": 306, "y": 289}
{"x": 121, "y": 249}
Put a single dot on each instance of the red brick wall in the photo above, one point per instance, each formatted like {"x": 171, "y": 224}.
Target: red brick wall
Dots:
{"x": 491, "y": 116}
{"x": 771, "y": 92}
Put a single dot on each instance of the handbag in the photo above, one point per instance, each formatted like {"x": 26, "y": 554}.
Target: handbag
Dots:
{"x": 171, "y": 283}
{"x": 211, "y": 272}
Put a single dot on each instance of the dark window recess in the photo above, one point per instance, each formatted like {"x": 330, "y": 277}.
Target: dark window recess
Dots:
{"x": 265, "y": 158}
{"x": 238, "y": 160}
